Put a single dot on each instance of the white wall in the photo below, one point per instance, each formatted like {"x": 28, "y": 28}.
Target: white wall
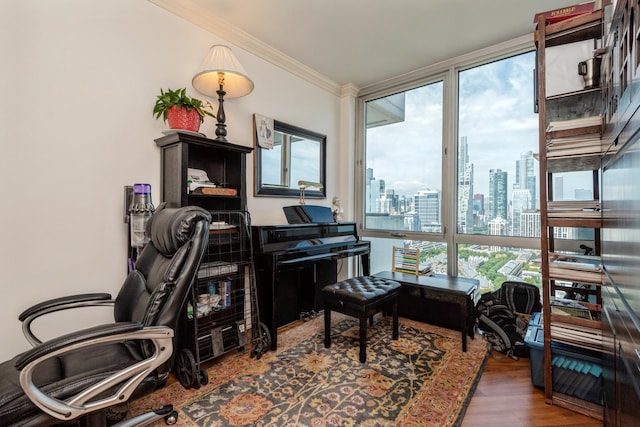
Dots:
{"x": 79, "y": 80}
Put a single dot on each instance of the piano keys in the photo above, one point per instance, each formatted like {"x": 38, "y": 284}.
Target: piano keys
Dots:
{"x": 294, "y": 262}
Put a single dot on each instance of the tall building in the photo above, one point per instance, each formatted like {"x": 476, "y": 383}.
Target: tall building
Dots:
{"x": 525, "y": 176}
{"x": 498, "y": 204}
{"x": 498, "y": 227}
{"x": 370, "y": 198}
{"x": 375, "y": 193}
{"x": 558, "y": 188}
{"x": 520, "y": 203}
{"x": 412, "y": 221}
{"x": 465, "y": 188}
{"x": 478, "y": 210}
{"x": 530, "y": 224}
{"x": 427, "y": 206}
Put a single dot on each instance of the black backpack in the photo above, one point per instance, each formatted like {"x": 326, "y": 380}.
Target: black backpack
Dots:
{"x": 503, "y": 316}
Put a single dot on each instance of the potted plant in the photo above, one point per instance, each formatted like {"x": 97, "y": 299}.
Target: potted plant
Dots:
{"x": 181, "y": 111}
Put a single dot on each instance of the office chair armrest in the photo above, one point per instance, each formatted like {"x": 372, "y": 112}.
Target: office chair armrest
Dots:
{"x": 116, "y": 388}
{"x": 75, "y": 340}
{"x": 59, "y": 304}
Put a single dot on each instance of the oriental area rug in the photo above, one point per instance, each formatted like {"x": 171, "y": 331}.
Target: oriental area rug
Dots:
{"x": 421, "y": 379}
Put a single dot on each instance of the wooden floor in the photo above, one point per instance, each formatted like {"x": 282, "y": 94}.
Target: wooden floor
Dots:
{"x": 506, "y": 397}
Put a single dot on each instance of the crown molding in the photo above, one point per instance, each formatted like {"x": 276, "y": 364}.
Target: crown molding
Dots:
{"x": 206, "y": 20}
{"x": 349, "y": 89}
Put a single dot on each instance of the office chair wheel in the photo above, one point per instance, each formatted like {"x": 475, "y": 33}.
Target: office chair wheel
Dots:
{"x": 172, "y": 418}
{"x": 203, "y": 377}
{"x": 187, "y": 370}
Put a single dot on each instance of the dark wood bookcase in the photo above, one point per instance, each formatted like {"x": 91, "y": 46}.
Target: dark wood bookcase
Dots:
{"x": 225, "y": 164}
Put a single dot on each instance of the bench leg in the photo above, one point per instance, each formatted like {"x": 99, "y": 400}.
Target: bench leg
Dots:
{"x": 327, "y": 327}
{"x": 363, "y": 339}
{"x": 394, "y": 309}
{"x": 465, "y": 325}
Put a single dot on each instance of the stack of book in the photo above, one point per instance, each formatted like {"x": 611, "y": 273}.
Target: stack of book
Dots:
{"x": 573, "y": 209}
{"x": 575, "y": 137}
{"x": 563, "y": 13}
{"x": 577, "y": 335}
{"x": 579, "y": 268}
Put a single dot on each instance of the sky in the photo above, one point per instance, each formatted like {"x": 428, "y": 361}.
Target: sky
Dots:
{"x": 495, "y": 114}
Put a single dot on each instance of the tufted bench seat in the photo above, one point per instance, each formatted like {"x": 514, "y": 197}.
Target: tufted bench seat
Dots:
{"x": 360, "y": 297}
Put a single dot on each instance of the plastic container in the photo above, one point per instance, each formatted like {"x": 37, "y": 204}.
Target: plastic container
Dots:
{"x": 140, "y": 212}
{"x": 534, "y": 339}
{"x": 576, "y": 372}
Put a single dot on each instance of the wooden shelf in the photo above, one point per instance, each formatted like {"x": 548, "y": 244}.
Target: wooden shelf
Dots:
{"x": 569, "y": 133}
{"x": 578, "y": 405}
{"x": 570, "y": 129}
{"x": 567, "y": 321}
{"x": 577, "y": 93}
{"x": 584, "y": 162}
{"x": 575, "y": 222}
{"x": 583, "y": 27}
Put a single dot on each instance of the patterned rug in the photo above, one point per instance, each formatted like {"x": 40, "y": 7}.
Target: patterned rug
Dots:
{"x": 422, "y": 379}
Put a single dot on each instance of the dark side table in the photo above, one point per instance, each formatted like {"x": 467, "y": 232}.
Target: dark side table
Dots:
{"x": 429, "y": 299}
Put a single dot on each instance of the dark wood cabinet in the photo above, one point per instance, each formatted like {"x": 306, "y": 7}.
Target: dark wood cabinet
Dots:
{"x": 225, "y": 164}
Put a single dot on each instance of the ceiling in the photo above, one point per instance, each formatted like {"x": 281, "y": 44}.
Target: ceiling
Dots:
{"x": 362, "y": 42}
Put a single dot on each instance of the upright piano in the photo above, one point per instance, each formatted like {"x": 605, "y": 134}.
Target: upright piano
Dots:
{"x": 294, "y": 262}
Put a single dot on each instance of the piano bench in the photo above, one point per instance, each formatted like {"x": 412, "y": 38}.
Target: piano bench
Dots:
{"x": 361, "y": 297}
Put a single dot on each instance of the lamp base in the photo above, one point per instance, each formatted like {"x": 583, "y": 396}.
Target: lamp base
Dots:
{"x": 221, "y": 132}
{"x": 221, "y": 128}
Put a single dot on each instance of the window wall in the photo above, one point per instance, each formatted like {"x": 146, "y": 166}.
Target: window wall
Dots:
{"x": 449, "y": 166}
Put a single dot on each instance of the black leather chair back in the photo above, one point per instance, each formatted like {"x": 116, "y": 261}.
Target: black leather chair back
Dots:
{"x": 156, "y": 291}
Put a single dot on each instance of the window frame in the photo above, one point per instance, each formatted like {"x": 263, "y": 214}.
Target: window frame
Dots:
{"x": 446, "y": 71}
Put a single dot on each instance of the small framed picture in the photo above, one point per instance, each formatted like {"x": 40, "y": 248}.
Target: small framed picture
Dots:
{"x": 264, "y": 131}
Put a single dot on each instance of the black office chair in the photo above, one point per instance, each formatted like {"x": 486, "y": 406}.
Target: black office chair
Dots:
{"x": 79, "y": 378}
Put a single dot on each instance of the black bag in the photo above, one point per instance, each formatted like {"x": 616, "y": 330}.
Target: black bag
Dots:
{"x": 503, "y": 316}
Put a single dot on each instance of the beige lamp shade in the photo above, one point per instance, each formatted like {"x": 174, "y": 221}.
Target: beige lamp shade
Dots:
{"x": 221, "y": 70}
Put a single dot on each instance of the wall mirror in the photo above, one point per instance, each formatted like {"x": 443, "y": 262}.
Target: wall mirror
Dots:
{"x": 297, "y": 155}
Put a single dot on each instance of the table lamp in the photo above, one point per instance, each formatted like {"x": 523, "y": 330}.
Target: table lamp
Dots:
{"x": 222, "y": 74}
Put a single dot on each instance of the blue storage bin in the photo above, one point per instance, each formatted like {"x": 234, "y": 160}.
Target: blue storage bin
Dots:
{"x": 534, "y": 339}
{"x": 576, "y": 372}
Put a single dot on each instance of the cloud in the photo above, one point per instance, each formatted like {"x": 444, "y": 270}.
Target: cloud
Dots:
{"x": 495, "y": 115}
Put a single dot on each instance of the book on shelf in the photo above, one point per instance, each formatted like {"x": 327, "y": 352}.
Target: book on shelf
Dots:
{"x": 573, "y": 204}
{"x": 559, "y": 147}
{"x": 574, "y": 209}
{"x": 563, "y": 13}
{"x": 581, "y": 337}
{"x": 581, "y": 122}
{"x": 215, "y": 191}
{"x": 575, "y": 268}
{"x": 575, "y": 214}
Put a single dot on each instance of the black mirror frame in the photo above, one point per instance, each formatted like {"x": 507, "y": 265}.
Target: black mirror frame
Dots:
{"x": 309, "y": 192}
